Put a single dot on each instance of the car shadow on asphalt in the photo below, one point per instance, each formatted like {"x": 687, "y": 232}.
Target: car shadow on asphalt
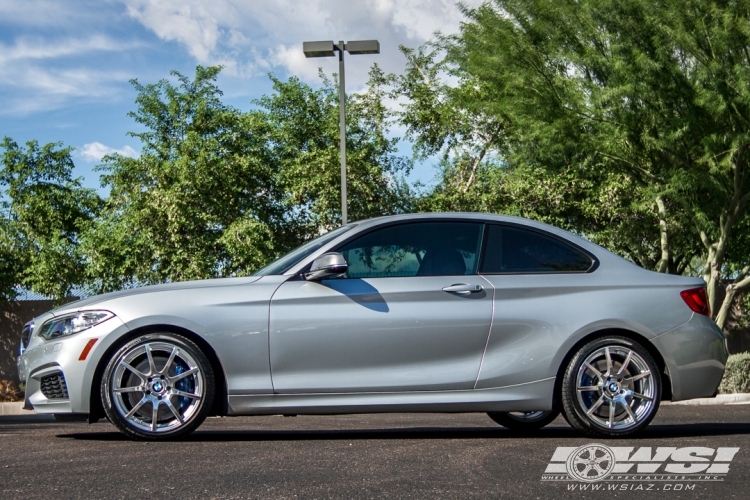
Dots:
{"x": 653, "y": 432}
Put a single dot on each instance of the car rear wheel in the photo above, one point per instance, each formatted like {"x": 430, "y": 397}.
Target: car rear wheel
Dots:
{"x": 158, "y": 386}
{"x": 611, "y": 388}
{"x": 524, "y": 421}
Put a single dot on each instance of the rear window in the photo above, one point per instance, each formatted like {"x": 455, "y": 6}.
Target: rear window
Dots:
{"x": 514, "y": 250}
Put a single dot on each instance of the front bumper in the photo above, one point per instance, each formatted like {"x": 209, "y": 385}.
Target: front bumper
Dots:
{"x": 57, "y": 379}
{"x": 695, "y": 354}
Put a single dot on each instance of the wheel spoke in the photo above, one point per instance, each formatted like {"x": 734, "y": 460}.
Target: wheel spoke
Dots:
{"x": 638, "y": 377}
{"x": 183, "y": 375}
{"x": 184, "y": 394}
{"x": 625, "y": 363}
{"x": 142, "y": 376}
{"x": 136, "y": 408}
{"x": 596, "y": 405}
{"x": 643, "y": 397}
{"x": 609, "y": 360}
{"x": 630, "y": 412}
{"x": 151, "y": 365}
{"x": 174, "y": 411}
{"x": 120, "y": 390}
{"x": 165, "y": 370}
{"x": 154, "y": 415}
{"x": 596, "y": 372}
{"x": 611, "y": 421}
{"x": 588, "y": 388}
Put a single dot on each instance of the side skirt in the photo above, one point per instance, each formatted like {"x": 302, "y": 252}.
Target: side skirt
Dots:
{"x": 523, "y": 397}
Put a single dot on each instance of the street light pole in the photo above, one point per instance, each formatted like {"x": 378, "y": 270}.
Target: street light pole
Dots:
{"x": 328, "y": 49}
{"x": 342, "y": 130}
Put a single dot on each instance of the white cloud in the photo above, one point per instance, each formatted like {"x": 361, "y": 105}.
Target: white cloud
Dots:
{"x": 250, "y": 37}
{"x": 52, "y": 64}
{"x": 188, "y": 23}
{"x": 55, "y": 70}
{"x": 95, "y": 151}
{"x": 37, "y": 48}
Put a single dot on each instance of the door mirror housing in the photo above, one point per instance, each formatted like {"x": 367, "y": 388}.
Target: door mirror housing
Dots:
{"x": 326, "y": 266}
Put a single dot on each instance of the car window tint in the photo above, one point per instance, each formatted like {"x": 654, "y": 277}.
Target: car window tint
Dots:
{"x": 515, "y": 250}
{"x": 415, "y": 249}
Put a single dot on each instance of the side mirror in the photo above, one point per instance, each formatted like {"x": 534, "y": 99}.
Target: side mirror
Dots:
{"x": 327, "y": 265}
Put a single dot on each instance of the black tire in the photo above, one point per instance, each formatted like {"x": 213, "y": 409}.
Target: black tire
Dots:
{"x": 161, "y": 373}
{"x": 524, "y": 421}
{"x": 611, "y": 388}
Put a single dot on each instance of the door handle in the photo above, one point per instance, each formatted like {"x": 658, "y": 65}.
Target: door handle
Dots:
{"x": 463, "y": 288}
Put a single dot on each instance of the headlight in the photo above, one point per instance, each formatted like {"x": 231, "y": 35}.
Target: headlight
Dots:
{"x": 72, "y": 323}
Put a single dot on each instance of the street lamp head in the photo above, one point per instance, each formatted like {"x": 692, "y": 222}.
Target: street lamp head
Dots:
{"x": 323, "y": 48}
{"x": 363, "y": 47}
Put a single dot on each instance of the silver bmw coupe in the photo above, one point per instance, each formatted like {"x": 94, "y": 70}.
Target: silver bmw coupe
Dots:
{"x": 411, "y": 313}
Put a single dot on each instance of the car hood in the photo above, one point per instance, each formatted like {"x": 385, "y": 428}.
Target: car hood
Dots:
{"x": 182, "y": 285}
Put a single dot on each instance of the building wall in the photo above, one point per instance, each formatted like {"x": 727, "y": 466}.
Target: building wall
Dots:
{"x": 13, "y": 315}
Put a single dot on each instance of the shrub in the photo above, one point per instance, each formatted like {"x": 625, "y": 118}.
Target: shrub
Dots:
{"x": 737, "y": 375}
{"x": 9, "y": 391}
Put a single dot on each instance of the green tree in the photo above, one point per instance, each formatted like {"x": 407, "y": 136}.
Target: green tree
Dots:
{"x": 303, "y": 126}
{"x": 200, "y": 201}
{"x": 448, "y": 113}
{"x": 218, "y": 192}
{"x": 44, "y": 212}
{"x": 642, "y": 95}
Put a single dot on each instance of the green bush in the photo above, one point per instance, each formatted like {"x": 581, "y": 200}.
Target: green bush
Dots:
{"x": 737, "y": 375}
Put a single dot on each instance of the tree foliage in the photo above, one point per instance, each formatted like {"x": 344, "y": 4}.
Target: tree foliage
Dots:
{"x": 201, "y": 185}
{"x": 303, "y": 140}
{"x": 218, "y": 192}
{"x": 44, "y": 211}
{"x": 645, "y": 99}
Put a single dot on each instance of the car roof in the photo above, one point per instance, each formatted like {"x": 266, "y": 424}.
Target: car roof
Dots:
{"x": 479, "y": 217}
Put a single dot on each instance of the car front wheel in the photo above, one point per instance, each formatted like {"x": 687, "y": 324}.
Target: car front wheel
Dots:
{"x": 157, "y": 386}
{"x": 611, "y": 388}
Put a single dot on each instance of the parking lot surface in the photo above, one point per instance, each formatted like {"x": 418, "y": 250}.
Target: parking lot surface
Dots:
{"x": 355, "y": 456}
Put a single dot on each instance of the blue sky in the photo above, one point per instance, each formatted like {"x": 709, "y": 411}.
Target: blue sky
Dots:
{"x": 65, "y": 64}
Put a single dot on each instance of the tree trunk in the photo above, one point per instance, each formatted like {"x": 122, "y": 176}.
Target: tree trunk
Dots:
{"x": 664, "y": 262}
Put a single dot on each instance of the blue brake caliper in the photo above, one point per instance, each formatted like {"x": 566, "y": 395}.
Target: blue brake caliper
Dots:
{"x": 589, "y": 397}
{"x": 185, "y": 385}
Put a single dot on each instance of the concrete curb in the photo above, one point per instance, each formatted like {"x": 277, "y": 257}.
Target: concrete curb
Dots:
{"x": 14, "y": 409}
{"x": 721, "y": 399}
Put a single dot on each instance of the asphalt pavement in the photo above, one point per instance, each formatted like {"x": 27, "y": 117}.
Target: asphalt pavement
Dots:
{"x": 364, "y": 456}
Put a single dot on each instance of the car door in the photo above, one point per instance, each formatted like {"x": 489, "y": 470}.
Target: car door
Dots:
{"x": 411, "y": 314}
{"x": 543, "y": 290}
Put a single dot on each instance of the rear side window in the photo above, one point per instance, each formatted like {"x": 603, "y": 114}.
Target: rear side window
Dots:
{"x": 515, "y": 250}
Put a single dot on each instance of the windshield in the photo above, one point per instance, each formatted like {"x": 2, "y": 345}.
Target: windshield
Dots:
{"x": 289, "y": 260}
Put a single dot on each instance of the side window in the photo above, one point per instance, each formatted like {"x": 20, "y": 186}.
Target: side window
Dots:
{"x": 514, "y": 250}
{"x": 415, "y": 249}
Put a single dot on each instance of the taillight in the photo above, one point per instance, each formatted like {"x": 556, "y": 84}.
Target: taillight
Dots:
{"x": 696, "y": 300}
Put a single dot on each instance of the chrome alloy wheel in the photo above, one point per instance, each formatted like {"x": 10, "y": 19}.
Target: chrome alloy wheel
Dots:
{"x": 615, "y": 387}
{"x": 157, "y": 387}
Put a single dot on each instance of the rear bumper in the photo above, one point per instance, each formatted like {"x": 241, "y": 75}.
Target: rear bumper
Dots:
{"x": 695, "y": 354}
